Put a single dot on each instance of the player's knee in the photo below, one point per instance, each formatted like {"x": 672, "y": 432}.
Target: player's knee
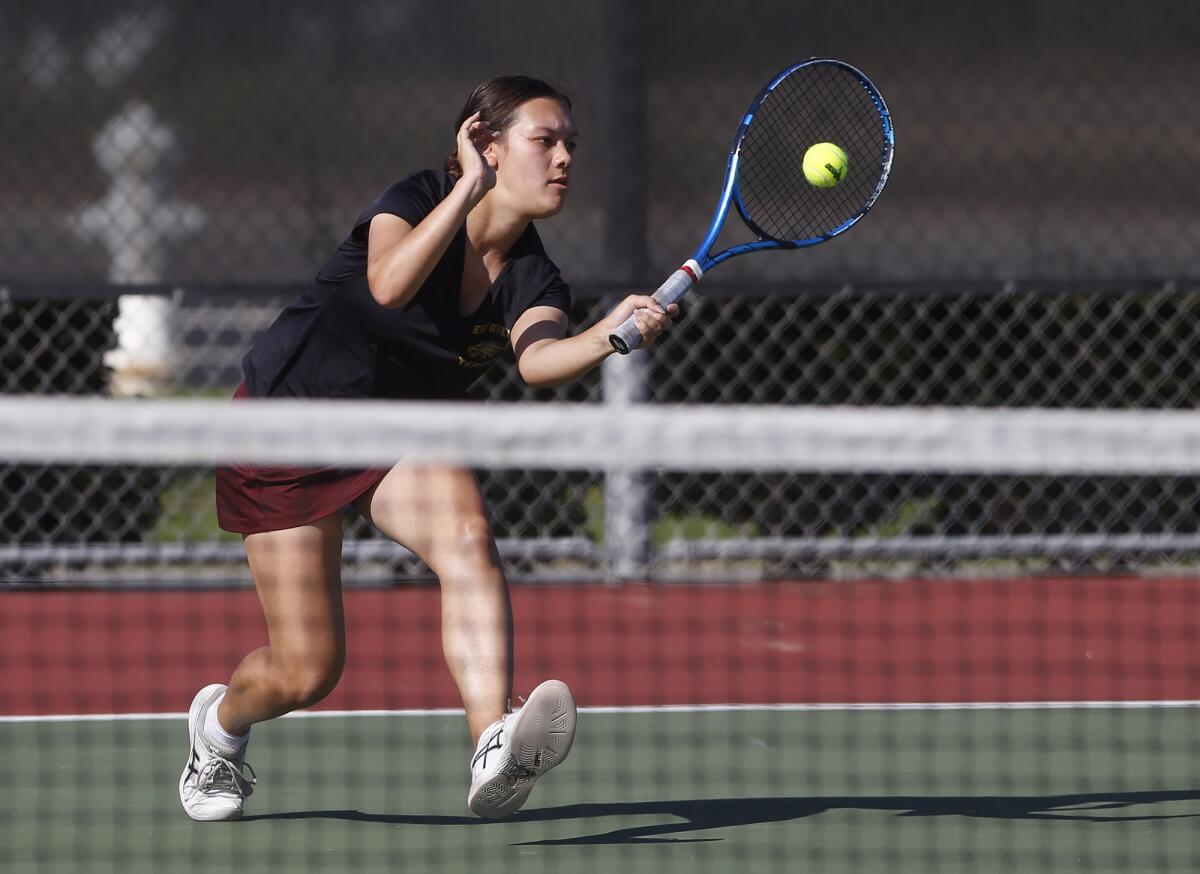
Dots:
{"x": 307, "y": 683}
{"x": 467, "y": 548}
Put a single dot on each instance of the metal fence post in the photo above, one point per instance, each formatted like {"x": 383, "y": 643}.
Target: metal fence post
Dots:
{"x": 626, "y": 491}
{"x": 625, "y": 377}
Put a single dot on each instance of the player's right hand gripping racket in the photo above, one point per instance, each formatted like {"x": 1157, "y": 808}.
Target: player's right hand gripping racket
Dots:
{"x": 816, "y": 101}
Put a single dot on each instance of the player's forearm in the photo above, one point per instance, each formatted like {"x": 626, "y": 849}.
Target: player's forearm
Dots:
{"x": 395, "y": 277}
{"x": 557, "y": 362}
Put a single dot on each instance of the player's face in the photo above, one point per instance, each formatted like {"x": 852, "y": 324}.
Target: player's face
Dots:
{"x": 533, "y": 158}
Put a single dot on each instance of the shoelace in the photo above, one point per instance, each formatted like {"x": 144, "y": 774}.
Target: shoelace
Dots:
{"x": 519, "y": 773}
{"x": 221, "y": 775}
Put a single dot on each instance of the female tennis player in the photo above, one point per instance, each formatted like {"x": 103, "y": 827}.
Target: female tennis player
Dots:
{"x": 438, "y": 274}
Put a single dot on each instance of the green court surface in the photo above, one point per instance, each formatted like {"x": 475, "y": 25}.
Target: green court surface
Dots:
{"x": 986, "y": 790}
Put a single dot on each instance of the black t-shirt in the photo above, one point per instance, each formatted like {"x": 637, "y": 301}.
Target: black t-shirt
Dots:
{"x": 336, "y": 341}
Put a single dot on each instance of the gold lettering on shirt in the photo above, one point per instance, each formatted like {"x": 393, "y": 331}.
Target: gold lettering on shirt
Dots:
{"x": 486, "y": 350}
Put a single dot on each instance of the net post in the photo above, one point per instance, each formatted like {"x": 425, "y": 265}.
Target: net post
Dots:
{"x": 623, "y": 245}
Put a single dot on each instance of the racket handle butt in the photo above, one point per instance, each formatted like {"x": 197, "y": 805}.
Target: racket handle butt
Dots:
{"x": 626, "y": 338}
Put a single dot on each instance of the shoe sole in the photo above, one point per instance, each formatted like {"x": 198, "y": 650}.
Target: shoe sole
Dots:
{"x": 199, "y": 708}
{"x": 540, "y": 738}
{"x": 544, "y": 730}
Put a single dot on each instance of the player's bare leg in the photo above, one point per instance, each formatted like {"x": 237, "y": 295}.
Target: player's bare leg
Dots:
{"x": 297, "y": 574}
{"x": 438, "y": 512}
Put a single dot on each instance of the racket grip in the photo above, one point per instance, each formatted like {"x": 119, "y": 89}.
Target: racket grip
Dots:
{"x": 627, "y": 337}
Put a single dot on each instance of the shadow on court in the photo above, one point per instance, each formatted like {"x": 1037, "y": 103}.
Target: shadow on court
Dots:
{"x": 700, "y": 815}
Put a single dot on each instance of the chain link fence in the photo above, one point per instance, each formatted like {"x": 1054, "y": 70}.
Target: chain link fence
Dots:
{"x": 1034, "y": 139}
{"x": 1049, "y": 345}
{"x": 170, "y": 182}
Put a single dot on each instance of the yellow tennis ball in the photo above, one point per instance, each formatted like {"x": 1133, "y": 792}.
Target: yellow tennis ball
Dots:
{"x": 825, "y": 165}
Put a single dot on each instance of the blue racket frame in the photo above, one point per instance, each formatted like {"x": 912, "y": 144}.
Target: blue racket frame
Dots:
{"x": 628, "y": 337}
{"x": 731, "y": 192}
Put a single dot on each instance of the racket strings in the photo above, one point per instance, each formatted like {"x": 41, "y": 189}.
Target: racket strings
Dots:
{"x": 816, "y": 103}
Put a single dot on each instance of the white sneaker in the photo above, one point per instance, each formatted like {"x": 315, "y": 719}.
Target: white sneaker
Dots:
{"x": 212, "y": 786}
{"x": 514, "y": 751}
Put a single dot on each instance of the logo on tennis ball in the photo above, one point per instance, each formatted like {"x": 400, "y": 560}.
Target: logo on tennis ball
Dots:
{"x": 825, "y": 165}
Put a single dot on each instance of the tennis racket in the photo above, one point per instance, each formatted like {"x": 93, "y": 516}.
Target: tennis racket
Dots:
{"x": 820, "y": 100}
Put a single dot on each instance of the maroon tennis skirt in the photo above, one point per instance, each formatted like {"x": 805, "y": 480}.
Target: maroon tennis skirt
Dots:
{"x": 251, "y": 500}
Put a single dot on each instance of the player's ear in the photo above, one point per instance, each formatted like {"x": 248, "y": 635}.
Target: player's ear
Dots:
{"x": 492, "y": 153}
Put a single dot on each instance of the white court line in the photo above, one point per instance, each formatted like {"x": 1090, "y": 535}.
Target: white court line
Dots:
{"x": 672, "y": 708}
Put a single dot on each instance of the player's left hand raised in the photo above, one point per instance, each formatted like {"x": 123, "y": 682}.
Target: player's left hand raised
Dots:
{"x": 478, "y": 171}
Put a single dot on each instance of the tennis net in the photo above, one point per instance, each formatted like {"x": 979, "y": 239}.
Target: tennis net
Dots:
{"x": 835, "y": 638}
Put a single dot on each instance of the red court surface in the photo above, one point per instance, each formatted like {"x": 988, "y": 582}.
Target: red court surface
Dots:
{"x": 1052, "y": 639}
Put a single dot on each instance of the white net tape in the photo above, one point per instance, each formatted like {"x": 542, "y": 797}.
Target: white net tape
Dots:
{"x": 588, "y": 437}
